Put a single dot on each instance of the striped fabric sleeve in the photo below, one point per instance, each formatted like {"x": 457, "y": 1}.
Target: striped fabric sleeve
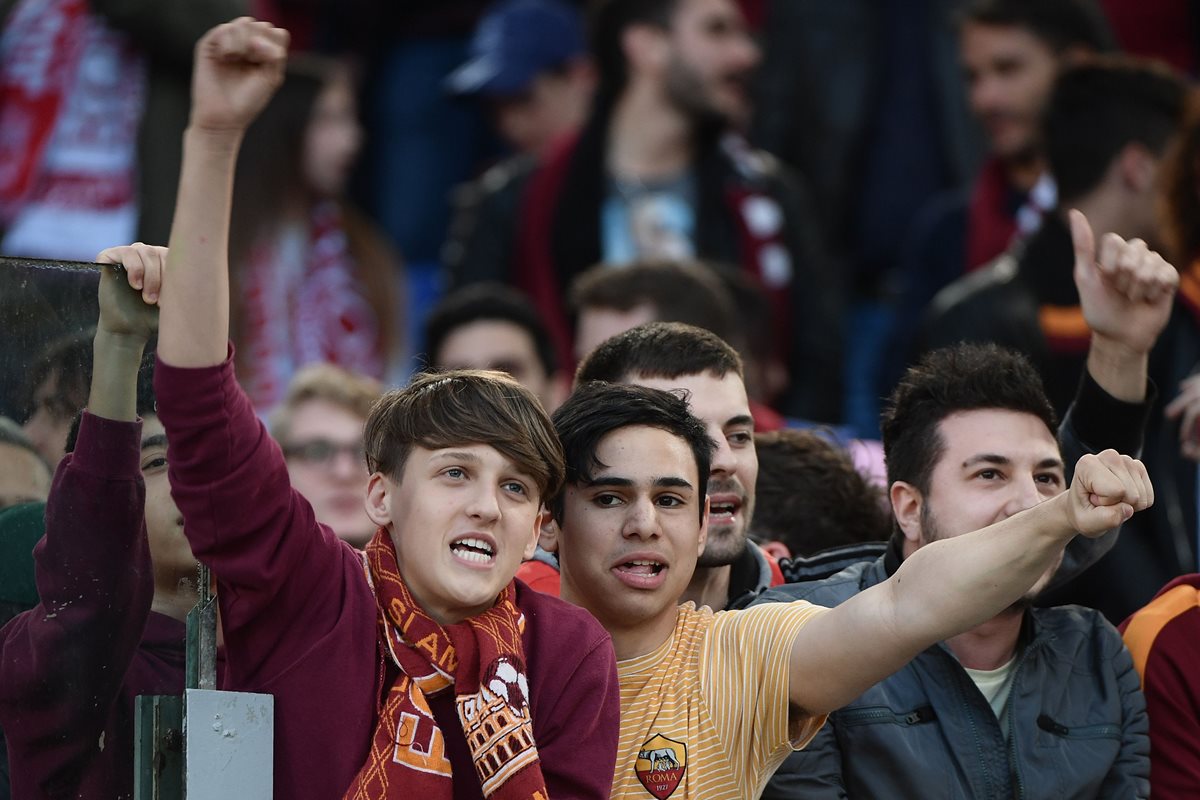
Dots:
{"x": 745, "y": 679}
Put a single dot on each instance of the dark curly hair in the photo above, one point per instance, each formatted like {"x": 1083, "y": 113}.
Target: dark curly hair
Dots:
{"x": 964, "y": 377}
{"x": 810, "y": 495}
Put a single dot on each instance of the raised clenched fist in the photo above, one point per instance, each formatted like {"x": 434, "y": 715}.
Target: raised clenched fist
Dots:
{"x": 238, "y": 67}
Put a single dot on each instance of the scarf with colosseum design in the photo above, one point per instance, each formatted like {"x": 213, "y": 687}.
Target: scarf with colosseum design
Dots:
{"x": 483, "y": 660}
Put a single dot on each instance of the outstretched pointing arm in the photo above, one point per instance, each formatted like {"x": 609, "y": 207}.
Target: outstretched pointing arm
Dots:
{"x": 949, "y": 586}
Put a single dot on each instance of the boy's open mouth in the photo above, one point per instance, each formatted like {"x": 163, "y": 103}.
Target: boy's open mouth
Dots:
{"x": 474, "y": 549}
{"x": 641, "y": 567}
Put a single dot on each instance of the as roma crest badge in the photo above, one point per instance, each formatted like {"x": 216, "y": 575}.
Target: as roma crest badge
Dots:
{"x": 660, "y": 765}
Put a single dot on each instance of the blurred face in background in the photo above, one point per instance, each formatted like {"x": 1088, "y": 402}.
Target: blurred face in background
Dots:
{"x": 597, "y": 325}
{"x": 1010, "y": 74}
{"x": 50, "y": 422}
{"x": 555, "y": 103}
{"x": 326, "y": 464}
{"x": 504, "y": 346}
{"x": 24, "y": 477}
{"x": 333, "y": 138}
{"x": 711, "y": 60}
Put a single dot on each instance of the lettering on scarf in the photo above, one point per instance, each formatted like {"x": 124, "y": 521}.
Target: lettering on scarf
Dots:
{"x": 419, "y": 742}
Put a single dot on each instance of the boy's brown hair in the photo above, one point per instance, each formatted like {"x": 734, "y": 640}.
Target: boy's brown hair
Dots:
{"x": 339, "y": 387}
{"x": 444, "y": 409}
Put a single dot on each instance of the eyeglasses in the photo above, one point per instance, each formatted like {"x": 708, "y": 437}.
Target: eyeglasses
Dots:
{"x": 324, "y": 452}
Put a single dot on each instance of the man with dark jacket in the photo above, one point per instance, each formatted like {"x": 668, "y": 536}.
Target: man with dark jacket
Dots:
{"x": 1034, "y": 702}
{"x": 1027, "y": 300}
{"x": 659, "y": 171}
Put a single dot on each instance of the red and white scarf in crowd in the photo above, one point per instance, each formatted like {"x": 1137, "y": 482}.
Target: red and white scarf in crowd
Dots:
{"x": 305, "y": 305}
{"x": 482, "y": 660}
{"x": 72, "y": 94}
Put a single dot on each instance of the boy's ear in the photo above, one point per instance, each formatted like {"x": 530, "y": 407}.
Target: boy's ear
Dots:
{"x": 547, "y": 532}
{"x": 379, "y": 499}
{"x": 535, "y": 536}
{"x": 703, "y": 527}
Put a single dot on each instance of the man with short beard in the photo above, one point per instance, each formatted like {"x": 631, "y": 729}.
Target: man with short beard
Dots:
{"x": 659, "y": 171}
{"x": 1001, "y": 710}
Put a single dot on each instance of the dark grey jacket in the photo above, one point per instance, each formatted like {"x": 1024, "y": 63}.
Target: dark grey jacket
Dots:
{"x": 1077, "y": 717}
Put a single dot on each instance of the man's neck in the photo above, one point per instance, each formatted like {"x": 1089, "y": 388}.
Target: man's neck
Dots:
{"x": 709, "y": 587}
{"x": 174, "y": 596}
{"x": 990, "y": 645}
{"x": 1023, "y": 171}
{"x": 641, "y": 639}
{"x": 647, "y": 139}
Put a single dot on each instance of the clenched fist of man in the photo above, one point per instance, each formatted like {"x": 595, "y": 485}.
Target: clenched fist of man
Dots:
{"x": 1107, "y": 489}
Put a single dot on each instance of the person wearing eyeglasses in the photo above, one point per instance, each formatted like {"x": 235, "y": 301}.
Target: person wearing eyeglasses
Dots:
{"x": 319, "y": 427}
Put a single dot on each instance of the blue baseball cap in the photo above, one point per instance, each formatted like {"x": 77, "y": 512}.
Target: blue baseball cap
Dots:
{"x": 514, "y": 42}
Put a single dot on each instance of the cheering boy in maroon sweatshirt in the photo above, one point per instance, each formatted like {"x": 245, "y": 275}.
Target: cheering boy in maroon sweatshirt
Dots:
{"x": 419, "y": 668}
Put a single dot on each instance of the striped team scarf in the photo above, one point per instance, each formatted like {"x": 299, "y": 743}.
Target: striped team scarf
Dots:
{"x": 483, "y": 660}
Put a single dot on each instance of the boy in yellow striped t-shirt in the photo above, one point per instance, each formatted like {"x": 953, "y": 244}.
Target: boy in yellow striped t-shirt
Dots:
{"x": 712, "y": 702}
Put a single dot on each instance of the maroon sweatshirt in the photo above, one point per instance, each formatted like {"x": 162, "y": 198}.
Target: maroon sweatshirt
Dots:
{"x": 1164, "y": 639}
{"x": 299, "y": 617}
{"x": 71, "y": 667}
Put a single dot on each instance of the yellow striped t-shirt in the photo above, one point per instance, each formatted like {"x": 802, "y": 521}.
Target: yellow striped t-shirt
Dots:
{"x": 706, "y": 715}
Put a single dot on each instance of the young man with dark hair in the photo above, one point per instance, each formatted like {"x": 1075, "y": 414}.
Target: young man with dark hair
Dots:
{"x": 492, "y": 326}
{"x": 441, "y": 675}
{"x": 319, "y": 427}
{"x": 660, "y": 171}
{"x": 997, "y": 709}
{"x": 1012, "y": 50}
{"x": 1106, "y": 129}
{"x": 115, "y": 578}
{"x": 732, "y": 571}
{"x": 712, "y": 701}
{"x": 811, "y": 497}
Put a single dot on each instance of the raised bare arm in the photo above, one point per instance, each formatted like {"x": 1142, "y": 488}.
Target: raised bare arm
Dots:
{"x": 238, "y": 66}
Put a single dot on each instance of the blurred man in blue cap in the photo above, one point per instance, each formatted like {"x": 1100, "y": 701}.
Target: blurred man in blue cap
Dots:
{"x": 529, "y": 63}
